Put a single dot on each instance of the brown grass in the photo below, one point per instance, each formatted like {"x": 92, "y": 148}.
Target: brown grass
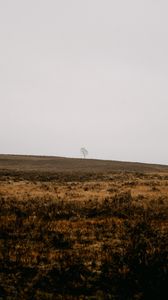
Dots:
{"x": 83, "y": 235}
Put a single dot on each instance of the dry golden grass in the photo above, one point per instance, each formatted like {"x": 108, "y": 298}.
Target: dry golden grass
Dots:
{"x": 86, "y": 236}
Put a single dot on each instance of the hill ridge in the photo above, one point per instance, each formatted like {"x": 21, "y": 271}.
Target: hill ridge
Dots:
{"x": 41, "y": 163}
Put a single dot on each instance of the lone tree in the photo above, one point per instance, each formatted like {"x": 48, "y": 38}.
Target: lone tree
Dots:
{"x": 84, "y": 152}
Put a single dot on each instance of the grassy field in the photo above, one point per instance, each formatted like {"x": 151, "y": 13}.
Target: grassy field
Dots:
{"x": 82, "y": 229}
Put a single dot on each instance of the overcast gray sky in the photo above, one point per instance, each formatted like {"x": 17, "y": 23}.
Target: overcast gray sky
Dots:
{"x": 90, "y": 73}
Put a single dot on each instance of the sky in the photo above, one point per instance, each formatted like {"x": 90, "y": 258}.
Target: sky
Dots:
{"x": 84, "y": 73}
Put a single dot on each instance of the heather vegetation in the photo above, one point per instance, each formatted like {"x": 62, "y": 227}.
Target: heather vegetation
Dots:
{"x": 83, "y": 236}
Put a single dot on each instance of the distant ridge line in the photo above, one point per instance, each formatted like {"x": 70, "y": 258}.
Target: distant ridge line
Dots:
{"x": 42, "y": 163}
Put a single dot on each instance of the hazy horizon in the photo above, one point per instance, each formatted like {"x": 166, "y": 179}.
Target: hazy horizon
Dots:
{"x": 87, "y": 73}
{"x": 80, "y": 157}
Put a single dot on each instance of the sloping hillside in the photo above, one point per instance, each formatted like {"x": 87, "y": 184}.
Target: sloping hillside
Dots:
{"x": 47, "y": 164}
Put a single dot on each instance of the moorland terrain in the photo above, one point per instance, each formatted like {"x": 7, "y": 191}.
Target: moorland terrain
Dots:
{"x": 82, "y": 229}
